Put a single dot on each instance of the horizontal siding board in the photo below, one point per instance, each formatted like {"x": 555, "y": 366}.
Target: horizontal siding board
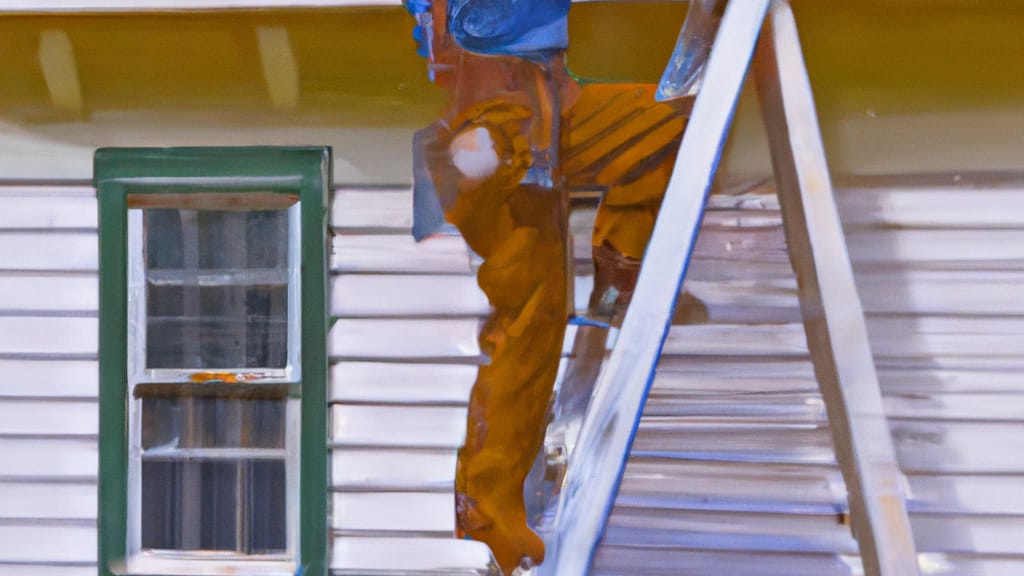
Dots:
{"x": 955, "y": 406}
{"x": 50, "y": 501}
{"x": 741, "y": 339}
{"x": 753, "y": 372}
{"x": 940, "y": 292}
{"x": 47, "y": 336}
{"x": 47, "y": 211}
{"x": 361, "y": 253}
{"x": 48, "y": 569}
{"x": 426, "y": 513}
{"x": 47, "y": 544}
{"x": 931, "y": 207}
{"x": 938, "y": 381}
{"x": 54, "y": 294}
{"x": 723, "y": 269}
{"x": 740, "y": 533}
{"x": 49, "y": 417}
{"x": 946, "y": 336}
{"x": 690, "y": 484}
{"x": 968, "y": 534}
{"x": 729, "y": 441}
{"x": 949, "y": 247}
{"x": 387, "y": 210}
{"x": 75, "y": 252}
{"x": 968, "y": 495}
{"x": 753, "y": 201}
{"x": 364, "y": 382}
{"x": 926, "y": 447}
{"x": 48, "y": 458}
{"x": 398, "y": 426}
{"x": 673, "y": 560}
{"x": 392, "y": 469}
{"x": 736, "y": 245}
{"x": 766, "y": 407}
{"x": 363, "y": 295}
{"x": 405, "y": 339}
{"x": 49, "y": 378}
{"x": 944, "y": 564}
{"x": 949, "y": 363}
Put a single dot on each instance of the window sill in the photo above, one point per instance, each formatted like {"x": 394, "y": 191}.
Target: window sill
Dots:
{"x": 205, "y": 564}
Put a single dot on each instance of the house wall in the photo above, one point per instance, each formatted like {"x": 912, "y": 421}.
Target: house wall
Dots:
{"x": 403, "y": 349}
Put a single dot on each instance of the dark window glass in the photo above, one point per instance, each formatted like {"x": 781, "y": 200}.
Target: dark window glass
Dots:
{"x": 226, "y": 505}
{"x": 170, "y": 423}
{"x": 216, "y": 288}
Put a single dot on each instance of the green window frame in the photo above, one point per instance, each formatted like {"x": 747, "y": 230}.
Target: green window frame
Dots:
{"x": 303, "y": 174}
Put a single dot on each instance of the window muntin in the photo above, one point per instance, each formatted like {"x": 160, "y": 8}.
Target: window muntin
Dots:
{"x": 214, "y": 327}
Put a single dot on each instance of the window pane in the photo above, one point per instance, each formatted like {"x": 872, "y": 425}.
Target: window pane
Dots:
{"x": 231, "y": 505}
{"x": 170, "y": 423}
{"x": 216, "y": 288}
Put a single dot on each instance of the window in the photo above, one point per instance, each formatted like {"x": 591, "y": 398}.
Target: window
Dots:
{"x": 213, "y": 362}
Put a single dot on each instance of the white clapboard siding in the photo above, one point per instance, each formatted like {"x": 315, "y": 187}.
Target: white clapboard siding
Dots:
{"x": 400, "y": 383}
{"x": 378, "y": 295}
{"x": 968, "y": 535}
{"x": 41, "y": 251}
{"x": 742, "y": 218}
{"x": 48, "y": 411}
{"x": 735, "y": 441}
{"x": 48, "y": 336}
{"x": 28, "y": 209}
{"x": 953, "y": 406}
{"x": 946, "y": 336}
{"x": 406, "y": 339}
{"x": 966, "y": 495}
{"x": 938, "y": 381}
{"x": 941, "y": 292}
{"x": 393, "y": 469}
{"x": 919, "y": 247}
{"x": 747, "y": 301}
{"x": 931, "y": 207}
{"x": 49, "y": 378}
{"x": 398, "y": 426}
{"x": 742, "y": 380}
{"x": 958, "y": 362}
{"x": 736, "y": 340}
{"x": 687, "y": 484}
{"x": 945, "y": 564}
{"x": 48, "y": 458}
{"x": 702, "y": 560}
{"x": 49, "y": 417}
{"x": 399, "y": 253}
{"x": 780, "y": 407}
{"x": 741, "y": 245}
{"x": 362, "y": 556}
{"x": 78, "y": 569}
{"x": 753, "y": 201}
{"x": 53, "y": 543}
{"x": 766, "y": 532}
{"x": 959, "y": 447}
{"x": 680, "y": 370}
{"x": 50, "y": 294}
{"x": 427, "y": 513}
{"x": 49, "y": 501}
{"x": 362, "y": 210}
{"x": 711, "y": 269}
